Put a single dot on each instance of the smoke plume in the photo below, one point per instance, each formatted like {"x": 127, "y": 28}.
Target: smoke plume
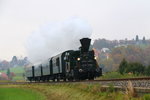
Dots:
{"x": 54, "y": 38}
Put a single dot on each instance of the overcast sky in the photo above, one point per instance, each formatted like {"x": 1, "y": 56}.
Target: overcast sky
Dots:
{"x": 110, "y": 19}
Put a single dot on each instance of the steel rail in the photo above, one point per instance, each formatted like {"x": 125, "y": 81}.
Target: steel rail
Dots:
{"x": 100, "y": 80}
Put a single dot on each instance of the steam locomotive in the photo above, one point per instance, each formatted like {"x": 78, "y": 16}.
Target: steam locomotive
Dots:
{"x": 69, "y": 65}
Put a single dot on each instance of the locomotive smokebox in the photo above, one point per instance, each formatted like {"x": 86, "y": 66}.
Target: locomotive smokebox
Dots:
{"x": 85, "y": 44}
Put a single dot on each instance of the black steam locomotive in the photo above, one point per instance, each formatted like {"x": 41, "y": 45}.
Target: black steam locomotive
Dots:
{"x": 69, "y": 65}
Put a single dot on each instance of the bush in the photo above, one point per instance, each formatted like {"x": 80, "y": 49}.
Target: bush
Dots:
{"x": 123, "y": 65}
{"x": 147, "y": 71}
{"x": 135, "y": 68}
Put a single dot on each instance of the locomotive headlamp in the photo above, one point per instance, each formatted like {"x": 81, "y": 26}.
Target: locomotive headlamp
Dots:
{"x": 78, "y": 59}
{"x": 95, "y": 58}
{"x": 80, "y": 70}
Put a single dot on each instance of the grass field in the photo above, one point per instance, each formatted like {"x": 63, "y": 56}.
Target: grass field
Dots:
{"x": 65, "y": 92}
{"x": 17, "y": 70}
{"x": 18, "y": 73}
{"x": 19, "y": 94}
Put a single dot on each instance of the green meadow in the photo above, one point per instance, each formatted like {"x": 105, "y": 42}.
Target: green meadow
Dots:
{"x": 19, "y": 94}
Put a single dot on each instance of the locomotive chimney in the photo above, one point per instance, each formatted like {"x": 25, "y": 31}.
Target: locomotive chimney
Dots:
{"x": 85, "y": 44}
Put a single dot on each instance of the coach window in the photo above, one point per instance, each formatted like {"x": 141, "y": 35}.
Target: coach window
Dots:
{"x": 57, "y": 62}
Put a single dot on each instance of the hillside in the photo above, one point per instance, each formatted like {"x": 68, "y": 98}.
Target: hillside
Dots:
{"x": 111, "y": 52}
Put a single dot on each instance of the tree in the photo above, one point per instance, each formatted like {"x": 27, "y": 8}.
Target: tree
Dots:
{"x": 137, "y": 38}
{"x": 14, "y": 61}
{"x": 123, "y": 65}
{"x": 8, "y": 73}
{"x": 136, "y": 68}
{"x": 144, "y": 41}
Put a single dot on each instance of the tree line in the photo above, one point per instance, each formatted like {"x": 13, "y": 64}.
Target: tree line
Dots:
{"x": 132, "y": 53}
{"x": 133, "y": 67}
{"x": 4, "y": 64}
{"x": 104, "y": 43}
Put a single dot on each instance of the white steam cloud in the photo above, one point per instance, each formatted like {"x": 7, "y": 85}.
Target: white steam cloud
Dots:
{"x": 55, "y": 38}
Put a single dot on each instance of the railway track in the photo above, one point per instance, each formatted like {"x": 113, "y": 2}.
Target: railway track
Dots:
{"x": 137, "y": 82}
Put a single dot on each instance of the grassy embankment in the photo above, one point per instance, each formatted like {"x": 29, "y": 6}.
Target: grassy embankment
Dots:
{"x": 75, "y": 92}
{"x": 67, "y": 91}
